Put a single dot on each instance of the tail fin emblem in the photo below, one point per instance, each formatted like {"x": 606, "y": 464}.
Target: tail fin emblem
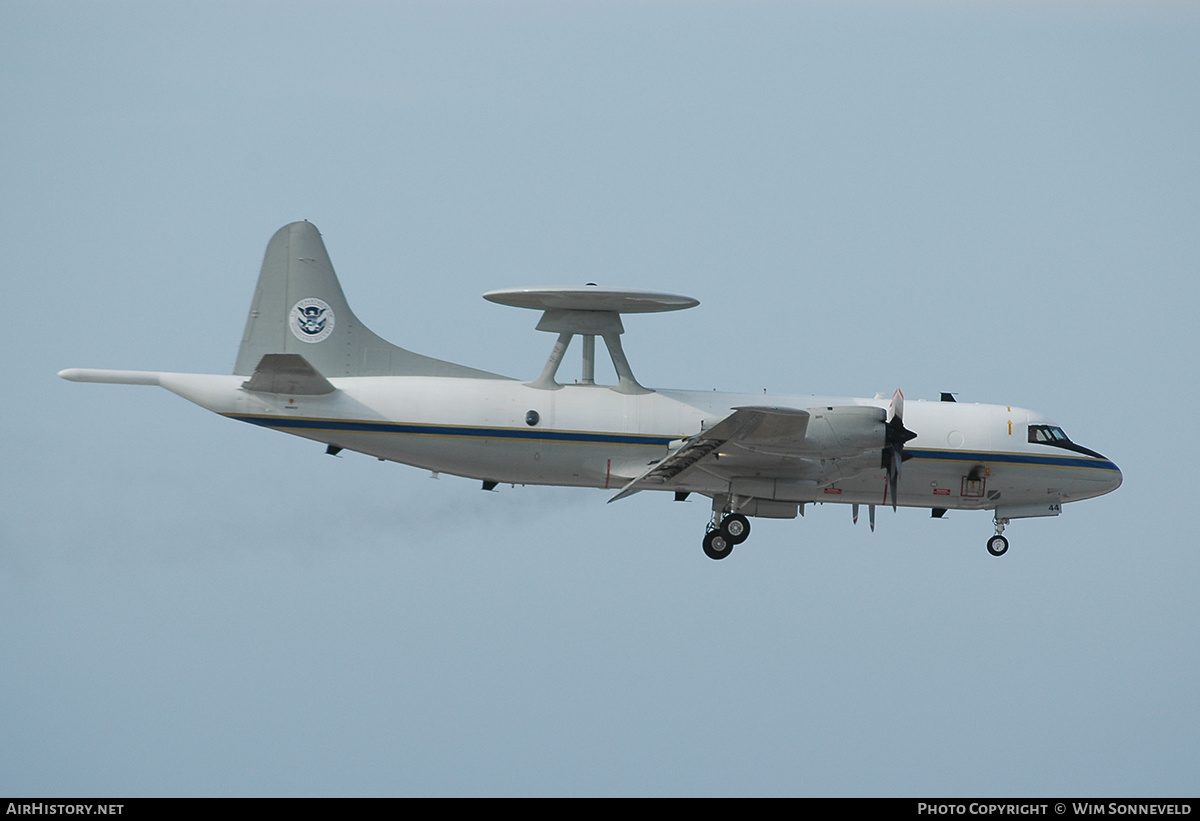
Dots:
{"x": 311, "y": 320}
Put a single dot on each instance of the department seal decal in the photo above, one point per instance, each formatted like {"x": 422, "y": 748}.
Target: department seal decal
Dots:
{"x": 311, "y": 320}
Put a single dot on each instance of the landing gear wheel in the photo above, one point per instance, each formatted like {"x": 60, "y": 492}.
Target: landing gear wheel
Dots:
{"x": 997, "y": 545}
{"x": 716, "y": 545}
{"x": 736, "y": 528}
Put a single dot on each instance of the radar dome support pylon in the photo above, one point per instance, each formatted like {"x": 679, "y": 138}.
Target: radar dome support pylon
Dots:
{"x": 588, "y": 311}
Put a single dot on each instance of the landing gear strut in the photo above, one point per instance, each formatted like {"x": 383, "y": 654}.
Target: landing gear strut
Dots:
{"x": 998, "y": 545}
{"x": 720, "y": 539}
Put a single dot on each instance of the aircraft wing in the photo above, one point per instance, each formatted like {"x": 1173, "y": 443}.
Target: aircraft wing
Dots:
{"x": 771, "y": 429}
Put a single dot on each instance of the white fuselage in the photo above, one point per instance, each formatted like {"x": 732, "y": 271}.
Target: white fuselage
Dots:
{"x": 964, "y": 456}
{"x": 308, "y": 366}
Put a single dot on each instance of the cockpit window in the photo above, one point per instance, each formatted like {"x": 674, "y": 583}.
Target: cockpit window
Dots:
{"x": 1047, "y": 435}
{"x": 1055, "y": 437}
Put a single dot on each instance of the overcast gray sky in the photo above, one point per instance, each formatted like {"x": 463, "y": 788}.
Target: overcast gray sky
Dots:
{"x": 999, "y": 200}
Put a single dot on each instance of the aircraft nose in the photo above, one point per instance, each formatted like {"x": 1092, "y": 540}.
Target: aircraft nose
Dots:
{"x": 1101, "y": 476}
{"x": 1116, "y": 479}
{"x": 1111, "y": 476}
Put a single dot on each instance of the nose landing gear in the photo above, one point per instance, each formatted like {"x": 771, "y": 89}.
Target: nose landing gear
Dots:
{"x": 998, "y": 545}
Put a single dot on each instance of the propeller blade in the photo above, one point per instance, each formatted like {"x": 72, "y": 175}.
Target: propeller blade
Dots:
{"x": 871, "y": 516}
{"x": 895, "y": 436}
{"x": 893, "y": 476}
{"x": 854, "y": 508}
{"x": 897, "y": 408}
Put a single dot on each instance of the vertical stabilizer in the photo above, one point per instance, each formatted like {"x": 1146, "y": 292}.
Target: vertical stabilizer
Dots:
{"x": 299, "y": 308}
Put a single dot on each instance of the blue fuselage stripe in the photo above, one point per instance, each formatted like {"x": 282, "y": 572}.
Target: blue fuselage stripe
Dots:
{"x": 645, "y": 440}
{"x": 1011, "y": 458}
{"x": 356, "y": 426}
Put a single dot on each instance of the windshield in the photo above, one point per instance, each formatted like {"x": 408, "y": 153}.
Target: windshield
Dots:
{"x": 1055, "y": 437}
{"x": 1047, "y": 434}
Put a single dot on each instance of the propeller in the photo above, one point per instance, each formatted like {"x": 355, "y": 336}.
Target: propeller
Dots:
{"x": 870, "y": 515}
{"x": 895, "y": 435}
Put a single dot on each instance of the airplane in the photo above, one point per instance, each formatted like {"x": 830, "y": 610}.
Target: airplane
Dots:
{"x": 307, "y": 366}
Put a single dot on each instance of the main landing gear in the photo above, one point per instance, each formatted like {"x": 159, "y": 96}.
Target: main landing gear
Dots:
{"x": 998, "y": 545}
{"x": 720, "y": 538}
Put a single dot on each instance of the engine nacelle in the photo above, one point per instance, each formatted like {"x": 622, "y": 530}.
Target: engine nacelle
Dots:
{"x": 846, "y": 431}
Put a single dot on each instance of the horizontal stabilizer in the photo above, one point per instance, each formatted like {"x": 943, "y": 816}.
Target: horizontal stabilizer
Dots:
{"x": 111, "y": 377}
{"x": 287, "y": 373}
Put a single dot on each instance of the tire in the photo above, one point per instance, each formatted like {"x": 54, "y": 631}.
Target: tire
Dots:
{"x": 997, "y": 545}
{"x": 716, "y": 545}
{"x": 736, "y": 528}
